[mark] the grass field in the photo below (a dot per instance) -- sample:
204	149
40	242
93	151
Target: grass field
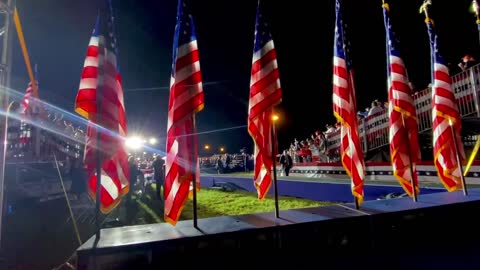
211	203
219	203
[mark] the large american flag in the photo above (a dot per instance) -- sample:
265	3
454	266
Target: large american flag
265	92
101	86
186	99
445	116
344	107
404	148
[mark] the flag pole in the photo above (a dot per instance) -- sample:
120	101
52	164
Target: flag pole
274	166
194	175
357	205
476	9
99	161
457	155
99	100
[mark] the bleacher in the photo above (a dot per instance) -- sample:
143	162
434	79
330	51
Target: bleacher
236	163
374	130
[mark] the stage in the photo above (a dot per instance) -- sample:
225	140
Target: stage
439	224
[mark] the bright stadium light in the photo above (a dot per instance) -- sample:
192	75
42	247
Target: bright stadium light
134	143
152	141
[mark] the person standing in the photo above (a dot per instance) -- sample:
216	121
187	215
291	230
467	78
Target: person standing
159	174
133	167
286	161
79	178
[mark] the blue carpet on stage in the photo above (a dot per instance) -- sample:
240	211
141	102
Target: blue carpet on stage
318	191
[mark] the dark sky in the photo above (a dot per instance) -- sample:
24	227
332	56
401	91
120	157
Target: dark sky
57	34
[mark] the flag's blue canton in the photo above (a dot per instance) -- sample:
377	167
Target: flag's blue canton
392	40
106	29
262	33
347	46
96	29
339	44
110	40
184	30
114	33
437	58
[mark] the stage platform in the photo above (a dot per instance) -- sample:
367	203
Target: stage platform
439	225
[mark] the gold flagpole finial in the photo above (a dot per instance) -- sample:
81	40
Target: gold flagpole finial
476	9
424	9
385	5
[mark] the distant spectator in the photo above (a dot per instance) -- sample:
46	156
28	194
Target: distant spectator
79	178
375	108
330	128
412	86
134	172
159	174
286	161
467	62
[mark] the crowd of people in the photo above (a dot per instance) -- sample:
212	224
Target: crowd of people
319	147
315	148
227	163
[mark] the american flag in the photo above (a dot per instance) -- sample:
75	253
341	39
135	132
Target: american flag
344	107
404	148
445	116
265	92
27	98
101	86
186	99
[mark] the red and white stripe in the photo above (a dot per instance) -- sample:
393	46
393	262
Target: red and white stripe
403	126
265	92
345	112
27	98
115	174
445	116
186	99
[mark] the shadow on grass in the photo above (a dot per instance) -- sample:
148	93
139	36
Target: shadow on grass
203	211
147	209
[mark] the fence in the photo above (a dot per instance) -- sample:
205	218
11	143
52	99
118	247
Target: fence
374	131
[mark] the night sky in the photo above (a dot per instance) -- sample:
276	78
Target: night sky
57	34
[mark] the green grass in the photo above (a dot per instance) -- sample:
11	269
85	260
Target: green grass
211	203
220	203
